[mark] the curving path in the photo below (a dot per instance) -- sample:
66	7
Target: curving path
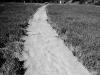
47	54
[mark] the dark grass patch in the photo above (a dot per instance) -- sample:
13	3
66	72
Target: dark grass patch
2	59
81	25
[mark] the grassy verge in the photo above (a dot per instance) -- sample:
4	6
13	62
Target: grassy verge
14	19
79	26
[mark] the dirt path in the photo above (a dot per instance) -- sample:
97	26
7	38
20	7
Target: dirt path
47	53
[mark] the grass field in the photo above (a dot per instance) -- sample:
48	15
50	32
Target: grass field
79	27
14	19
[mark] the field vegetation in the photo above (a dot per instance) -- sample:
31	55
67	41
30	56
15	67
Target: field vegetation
79	27
14	19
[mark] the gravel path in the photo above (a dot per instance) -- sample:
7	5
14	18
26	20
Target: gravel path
47	54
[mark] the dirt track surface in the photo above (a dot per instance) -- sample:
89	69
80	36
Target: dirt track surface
47	54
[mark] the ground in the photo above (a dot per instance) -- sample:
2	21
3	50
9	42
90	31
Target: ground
77	25
47	53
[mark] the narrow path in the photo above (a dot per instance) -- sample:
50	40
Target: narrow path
47	53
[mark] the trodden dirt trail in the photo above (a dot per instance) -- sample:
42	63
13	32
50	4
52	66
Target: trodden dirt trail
48	54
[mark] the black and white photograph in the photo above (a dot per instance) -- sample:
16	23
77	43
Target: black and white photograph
49	37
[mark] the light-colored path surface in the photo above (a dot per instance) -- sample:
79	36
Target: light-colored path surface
47	53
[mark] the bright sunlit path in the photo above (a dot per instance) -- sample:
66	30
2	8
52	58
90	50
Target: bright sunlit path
46	54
